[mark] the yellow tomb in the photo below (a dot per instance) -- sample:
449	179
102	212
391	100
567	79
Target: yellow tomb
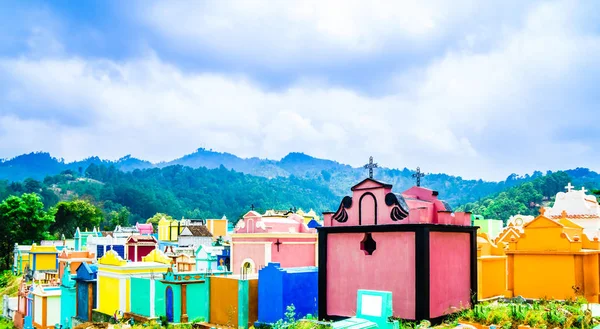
43	258
491	269
553	259
114	275
168	230
217	227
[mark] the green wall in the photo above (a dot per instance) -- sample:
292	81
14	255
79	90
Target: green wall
140	296
492	227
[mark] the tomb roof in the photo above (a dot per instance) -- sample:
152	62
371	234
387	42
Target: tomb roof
196	230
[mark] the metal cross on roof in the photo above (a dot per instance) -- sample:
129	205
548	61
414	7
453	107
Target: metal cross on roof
252	207
418	176
370	166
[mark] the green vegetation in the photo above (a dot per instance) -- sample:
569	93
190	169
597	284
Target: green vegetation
540	314
9	284
524	199
6	324
24	220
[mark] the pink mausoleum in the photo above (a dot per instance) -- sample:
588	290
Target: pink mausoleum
410	243
272	237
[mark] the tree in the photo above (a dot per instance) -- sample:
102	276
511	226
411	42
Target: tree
24	221
117	218
69	215
156	218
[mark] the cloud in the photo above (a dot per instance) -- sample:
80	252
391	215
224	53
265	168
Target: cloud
493	104
283	35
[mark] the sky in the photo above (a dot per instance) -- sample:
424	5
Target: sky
479	89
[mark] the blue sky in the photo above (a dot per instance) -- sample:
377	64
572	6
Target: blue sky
471	88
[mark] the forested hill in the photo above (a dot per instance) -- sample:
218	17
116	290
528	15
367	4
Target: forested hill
338	178
331	178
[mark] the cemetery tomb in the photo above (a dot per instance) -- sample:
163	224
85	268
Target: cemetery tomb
410	244
562	252
86	290
114	274
68	300
43	258
491	227
195	236
24	301
234	301
145	229
279	288
217	227
72	260
81	238
46	307
491	269
578	207
20	258
138	246
105	243
273	237
373	310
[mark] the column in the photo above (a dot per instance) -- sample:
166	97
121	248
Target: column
152	295
122	294
184	316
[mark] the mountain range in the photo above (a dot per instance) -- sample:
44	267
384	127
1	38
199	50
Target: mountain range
338	177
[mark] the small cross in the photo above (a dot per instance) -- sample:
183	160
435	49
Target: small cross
252	207
370	166
569	187
542	211
418	176
583	190
278	243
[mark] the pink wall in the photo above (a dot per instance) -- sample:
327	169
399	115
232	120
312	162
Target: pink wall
449	261
256	252
294	255
391	267
293	252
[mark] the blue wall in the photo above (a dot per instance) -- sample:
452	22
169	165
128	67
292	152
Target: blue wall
119	249
279	288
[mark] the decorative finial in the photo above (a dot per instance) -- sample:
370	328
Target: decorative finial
252	207
542	211
569	187
418	174
563	214
370	166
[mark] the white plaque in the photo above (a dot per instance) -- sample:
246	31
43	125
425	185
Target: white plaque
371	305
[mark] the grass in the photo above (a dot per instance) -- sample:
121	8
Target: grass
9	284
5	324
540	314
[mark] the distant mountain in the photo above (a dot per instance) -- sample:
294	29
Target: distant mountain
336	176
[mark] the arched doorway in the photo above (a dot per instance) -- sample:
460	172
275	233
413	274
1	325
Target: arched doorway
169	303
248	266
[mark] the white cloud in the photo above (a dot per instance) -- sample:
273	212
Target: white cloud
281	34
474	111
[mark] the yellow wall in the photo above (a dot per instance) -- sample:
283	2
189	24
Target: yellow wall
218	227
491	268
23	262
108	289
491	277
43	262
544	276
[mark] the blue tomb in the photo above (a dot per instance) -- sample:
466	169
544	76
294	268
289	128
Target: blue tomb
87	275
279	288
